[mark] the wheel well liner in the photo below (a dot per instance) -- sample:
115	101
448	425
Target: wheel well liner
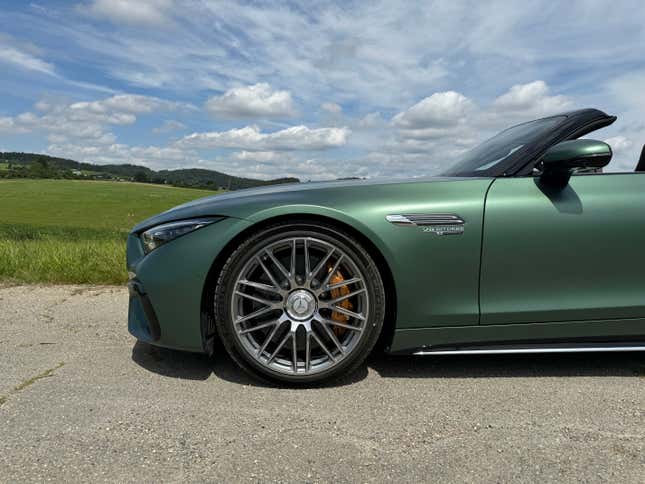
208	326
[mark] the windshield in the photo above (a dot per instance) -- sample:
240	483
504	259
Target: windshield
490	153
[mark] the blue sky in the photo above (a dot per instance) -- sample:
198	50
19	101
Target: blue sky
309	89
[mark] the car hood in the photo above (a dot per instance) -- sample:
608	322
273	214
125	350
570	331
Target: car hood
229	204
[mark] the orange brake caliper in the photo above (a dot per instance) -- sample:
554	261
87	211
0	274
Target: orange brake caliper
345	304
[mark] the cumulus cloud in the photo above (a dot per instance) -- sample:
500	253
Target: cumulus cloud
531	100
443	125
115	153
371	120
251	138
125	103
332	108
258	156
87	120
258	100
619	143
6	124
440	110
137	12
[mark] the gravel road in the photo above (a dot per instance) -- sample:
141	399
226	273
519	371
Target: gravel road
80	400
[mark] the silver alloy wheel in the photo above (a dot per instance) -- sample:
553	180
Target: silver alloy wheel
305	319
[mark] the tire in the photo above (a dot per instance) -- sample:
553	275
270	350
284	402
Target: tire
300	324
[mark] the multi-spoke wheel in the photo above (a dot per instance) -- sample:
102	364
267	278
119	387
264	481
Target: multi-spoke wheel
299	303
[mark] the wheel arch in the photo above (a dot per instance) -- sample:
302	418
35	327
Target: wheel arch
208	326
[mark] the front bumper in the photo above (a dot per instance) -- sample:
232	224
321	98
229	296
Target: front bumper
142	319
166	292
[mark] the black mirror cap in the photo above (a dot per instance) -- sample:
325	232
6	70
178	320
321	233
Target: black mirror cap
562	159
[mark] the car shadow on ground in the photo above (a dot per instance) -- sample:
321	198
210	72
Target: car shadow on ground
194	366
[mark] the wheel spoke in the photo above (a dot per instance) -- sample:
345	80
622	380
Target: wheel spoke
279	347
347	312
307	352
268	340
333	337
332	271
266	302
331	303
278	264
307	260
322	345
320	264
259	326
343	283
254	314
294	351
262	287
342	325
268	273
292	268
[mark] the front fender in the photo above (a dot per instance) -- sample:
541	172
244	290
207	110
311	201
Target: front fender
343	217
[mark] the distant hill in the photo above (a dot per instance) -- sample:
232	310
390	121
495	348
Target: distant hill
32	165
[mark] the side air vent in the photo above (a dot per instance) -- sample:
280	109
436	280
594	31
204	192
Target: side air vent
425	219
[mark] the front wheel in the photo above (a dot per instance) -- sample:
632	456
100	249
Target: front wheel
299	303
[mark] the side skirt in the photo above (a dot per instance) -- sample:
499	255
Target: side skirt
523	338
538	348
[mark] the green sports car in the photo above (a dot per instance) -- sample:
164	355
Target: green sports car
523	245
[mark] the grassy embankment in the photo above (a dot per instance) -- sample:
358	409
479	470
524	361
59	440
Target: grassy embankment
66	231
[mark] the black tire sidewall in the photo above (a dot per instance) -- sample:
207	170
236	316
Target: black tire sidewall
249	248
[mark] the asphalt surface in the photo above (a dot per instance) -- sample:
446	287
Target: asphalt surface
80	400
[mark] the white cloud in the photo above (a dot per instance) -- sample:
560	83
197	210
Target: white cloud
332	108
626	153
531	100
443	125
259	100
184	49
619	143
371	120
151	156
169	126
283	165
258	156
141	12
125	103
6	124
87	120
23	56
251	138
442	109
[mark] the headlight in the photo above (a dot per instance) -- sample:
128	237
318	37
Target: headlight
161	234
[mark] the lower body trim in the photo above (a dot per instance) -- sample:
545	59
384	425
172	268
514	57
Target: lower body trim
581	348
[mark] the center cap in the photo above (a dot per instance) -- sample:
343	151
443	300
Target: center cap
301	304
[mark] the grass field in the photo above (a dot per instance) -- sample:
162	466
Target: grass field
69	231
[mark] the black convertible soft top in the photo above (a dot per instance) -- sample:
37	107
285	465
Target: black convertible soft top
574	125
562	127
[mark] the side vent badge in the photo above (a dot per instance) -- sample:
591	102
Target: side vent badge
435	223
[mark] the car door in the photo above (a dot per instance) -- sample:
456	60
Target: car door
575	254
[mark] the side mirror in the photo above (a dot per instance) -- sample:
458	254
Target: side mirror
561	160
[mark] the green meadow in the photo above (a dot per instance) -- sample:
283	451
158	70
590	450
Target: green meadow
70	231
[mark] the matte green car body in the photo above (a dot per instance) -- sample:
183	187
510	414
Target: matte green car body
529	265
533	263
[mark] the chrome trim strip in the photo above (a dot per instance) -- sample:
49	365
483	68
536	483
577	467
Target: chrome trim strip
423	219
510	351
399	220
